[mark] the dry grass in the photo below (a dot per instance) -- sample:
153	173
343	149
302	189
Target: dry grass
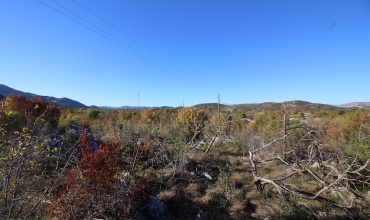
241	179
196	155
194	190
246	202
267	208
167	173
166	195
238	206
209	195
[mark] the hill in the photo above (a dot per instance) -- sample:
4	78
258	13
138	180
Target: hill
213	106
269	106
6	91
272	106
289	105
133	107
356	105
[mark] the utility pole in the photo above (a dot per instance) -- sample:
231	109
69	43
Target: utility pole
183	111
218	105
138	99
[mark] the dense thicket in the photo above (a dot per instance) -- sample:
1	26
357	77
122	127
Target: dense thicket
99	163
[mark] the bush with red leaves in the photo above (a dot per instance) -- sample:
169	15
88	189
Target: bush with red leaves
32	110
93	190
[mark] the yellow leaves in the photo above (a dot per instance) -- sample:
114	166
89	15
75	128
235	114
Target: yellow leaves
188	116
36	106
8	113
7	158
7	101
149	115
215	119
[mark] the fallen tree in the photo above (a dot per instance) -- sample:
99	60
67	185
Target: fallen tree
299	164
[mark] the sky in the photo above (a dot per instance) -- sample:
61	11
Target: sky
186	52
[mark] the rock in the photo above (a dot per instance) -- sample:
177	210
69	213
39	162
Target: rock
154	210
207	176
200	215
315	165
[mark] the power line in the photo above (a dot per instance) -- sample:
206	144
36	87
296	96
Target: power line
133	39
130	37
127	47
117	41
85	26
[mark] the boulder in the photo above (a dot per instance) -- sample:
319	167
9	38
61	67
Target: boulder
154	210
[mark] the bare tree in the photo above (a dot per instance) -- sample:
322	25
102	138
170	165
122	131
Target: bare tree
307	169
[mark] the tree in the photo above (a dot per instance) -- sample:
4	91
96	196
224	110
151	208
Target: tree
192	120
32	111
26	177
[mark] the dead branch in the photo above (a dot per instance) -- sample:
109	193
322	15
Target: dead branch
336	178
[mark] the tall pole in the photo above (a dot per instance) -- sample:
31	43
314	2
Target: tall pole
219	105
138	99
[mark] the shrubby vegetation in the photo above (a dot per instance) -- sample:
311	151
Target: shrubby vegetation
202	164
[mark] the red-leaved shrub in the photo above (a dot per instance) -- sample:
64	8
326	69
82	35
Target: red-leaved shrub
93	190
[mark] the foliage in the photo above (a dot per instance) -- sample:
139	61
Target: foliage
225	182
32	110
218	208
29	166
192	120
92	189
310	153
20	159
146	150
150	115
298	153
93	113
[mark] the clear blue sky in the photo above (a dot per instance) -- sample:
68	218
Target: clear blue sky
175	51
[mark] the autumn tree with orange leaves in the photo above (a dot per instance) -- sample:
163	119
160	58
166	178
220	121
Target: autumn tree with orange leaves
31	112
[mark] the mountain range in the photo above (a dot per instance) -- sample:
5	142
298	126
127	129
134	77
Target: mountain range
6	91
300	105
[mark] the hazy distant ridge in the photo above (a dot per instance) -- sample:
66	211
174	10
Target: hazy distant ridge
355	104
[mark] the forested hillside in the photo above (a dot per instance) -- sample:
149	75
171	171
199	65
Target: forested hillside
183	163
